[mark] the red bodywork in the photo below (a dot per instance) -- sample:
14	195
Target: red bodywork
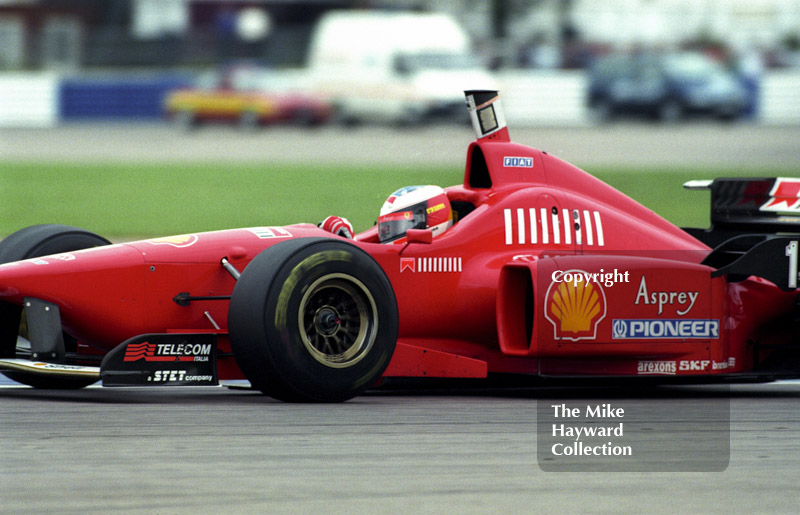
483	298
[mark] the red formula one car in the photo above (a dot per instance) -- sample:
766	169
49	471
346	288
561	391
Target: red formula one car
546	272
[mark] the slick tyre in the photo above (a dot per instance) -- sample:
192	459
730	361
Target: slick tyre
27	243
313	320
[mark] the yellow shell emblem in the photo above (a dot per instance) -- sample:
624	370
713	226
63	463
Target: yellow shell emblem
184	240
575	309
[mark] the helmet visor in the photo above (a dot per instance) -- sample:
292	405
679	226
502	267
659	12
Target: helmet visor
394	225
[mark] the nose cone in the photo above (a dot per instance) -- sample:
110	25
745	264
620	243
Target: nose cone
63	276
99	291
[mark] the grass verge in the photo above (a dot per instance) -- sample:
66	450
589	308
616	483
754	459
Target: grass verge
122	200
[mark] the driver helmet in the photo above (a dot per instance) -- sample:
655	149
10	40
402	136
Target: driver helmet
414	207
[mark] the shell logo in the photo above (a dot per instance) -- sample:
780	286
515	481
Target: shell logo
185	240
575	310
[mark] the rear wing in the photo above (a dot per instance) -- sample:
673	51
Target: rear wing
749	206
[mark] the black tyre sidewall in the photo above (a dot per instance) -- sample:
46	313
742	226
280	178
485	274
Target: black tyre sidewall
264	327
46	239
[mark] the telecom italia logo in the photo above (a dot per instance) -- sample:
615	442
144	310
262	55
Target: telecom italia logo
627	329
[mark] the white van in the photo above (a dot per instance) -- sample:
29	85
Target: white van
396	67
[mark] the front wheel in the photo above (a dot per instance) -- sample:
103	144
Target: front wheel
670	111
185	119
313	320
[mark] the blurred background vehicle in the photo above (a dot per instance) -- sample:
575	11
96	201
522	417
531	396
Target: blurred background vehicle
666	87
394	67
65	61
246	95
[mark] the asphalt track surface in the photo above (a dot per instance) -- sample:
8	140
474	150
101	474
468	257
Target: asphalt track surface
217	450
722	145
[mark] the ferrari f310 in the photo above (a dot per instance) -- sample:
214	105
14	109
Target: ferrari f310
545	272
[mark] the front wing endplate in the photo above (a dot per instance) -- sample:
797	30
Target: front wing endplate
172	359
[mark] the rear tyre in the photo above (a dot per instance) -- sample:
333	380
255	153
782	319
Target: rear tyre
313	320
249	120
27	243
670	111
601	111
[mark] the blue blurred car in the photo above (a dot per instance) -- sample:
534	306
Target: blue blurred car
666	87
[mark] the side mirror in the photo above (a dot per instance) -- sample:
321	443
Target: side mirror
419	236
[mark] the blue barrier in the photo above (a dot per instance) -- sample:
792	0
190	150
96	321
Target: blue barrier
116	98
